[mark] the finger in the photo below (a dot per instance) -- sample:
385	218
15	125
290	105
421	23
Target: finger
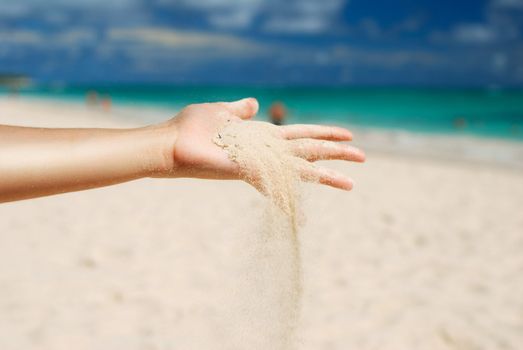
327	177
245	108
313	150
300	131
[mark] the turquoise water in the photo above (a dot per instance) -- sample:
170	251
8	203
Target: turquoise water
496	113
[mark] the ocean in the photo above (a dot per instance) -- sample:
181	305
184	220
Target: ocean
496	113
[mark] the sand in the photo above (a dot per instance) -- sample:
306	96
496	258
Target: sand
275	273
424	253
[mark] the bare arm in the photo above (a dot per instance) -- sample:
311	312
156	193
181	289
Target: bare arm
38	162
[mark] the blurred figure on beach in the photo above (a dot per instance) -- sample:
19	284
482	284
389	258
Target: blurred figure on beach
13	83
277	112
94	99
106	103
460	123
91	98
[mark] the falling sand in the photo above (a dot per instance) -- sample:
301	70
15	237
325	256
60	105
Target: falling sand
274	274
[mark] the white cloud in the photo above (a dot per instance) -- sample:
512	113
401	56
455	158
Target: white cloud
180	39
290	16
499	61
75	36
239	19
155	50
16	4
212	5
67	38
511	4
369	27
223	14
502	25
347	55
304	16
20	37
306	24
59	13
55	17
12	8
505	18
473	34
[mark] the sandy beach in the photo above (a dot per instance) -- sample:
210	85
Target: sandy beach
425	253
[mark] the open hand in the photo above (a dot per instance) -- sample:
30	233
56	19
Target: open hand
190	152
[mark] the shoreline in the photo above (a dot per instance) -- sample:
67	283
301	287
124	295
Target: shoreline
451	148
478	150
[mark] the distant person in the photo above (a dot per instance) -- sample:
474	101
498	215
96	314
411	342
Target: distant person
460	123
278	113
106	103
37	162
91	98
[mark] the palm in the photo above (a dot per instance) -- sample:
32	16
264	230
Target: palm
195	151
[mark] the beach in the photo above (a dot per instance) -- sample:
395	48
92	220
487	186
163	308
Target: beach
425	253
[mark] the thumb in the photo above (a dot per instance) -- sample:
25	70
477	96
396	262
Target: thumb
245	108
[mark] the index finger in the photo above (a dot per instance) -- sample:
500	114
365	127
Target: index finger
321	132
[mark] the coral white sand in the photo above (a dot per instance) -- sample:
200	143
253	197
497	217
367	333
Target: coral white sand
274	271
425	253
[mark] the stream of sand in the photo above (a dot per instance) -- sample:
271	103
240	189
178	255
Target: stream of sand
274	274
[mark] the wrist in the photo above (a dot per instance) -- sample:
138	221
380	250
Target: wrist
156	155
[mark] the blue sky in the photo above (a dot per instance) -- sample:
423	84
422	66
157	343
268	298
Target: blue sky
355	42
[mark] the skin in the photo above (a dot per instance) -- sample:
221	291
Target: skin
37	162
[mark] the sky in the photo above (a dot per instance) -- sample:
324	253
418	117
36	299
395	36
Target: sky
265	42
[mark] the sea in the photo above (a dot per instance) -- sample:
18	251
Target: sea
485	112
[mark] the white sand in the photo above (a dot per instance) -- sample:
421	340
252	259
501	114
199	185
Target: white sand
275	271
423	254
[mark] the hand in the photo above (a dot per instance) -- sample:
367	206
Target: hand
189	149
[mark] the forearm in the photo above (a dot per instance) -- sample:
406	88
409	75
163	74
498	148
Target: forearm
38	162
